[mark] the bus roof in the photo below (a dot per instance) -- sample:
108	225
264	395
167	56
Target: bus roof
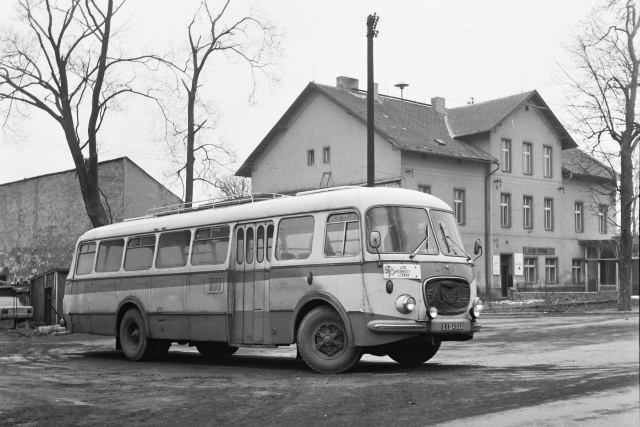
332	199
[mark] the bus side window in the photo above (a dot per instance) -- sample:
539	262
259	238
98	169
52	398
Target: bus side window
173	249
139	255
269	241
342	236
260	244
86	255
295	237
210	246
110	255
240	246
249	257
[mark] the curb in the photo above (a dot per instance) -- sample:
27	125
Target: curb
560	314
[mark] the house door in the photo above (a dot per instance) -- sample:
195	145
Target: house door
252	243
506	273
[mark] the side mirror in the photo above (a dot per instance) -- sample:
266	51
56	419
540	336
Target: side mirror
477	248
374	239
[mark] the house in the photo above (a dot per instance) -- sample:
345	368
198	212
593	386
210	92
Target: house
42	217
504	166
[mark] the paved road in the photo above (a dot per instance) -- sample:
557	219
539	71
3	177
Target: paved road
529	371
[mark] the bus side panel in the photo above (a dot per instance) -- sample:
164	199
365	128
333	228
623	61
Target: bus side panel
76	303
207	306
166	309
103	305
287	286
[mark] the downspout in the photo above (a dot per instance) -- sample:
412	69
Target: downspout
488	259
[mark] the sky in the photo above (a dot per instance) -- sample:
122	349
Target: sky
458	50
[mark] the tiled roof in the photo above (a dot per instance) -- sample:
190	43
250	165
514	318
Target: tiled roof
577	162
409	125
483	116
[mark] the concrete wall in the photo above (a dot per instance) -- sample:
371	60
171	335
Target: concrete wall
141	192
41	218
282	167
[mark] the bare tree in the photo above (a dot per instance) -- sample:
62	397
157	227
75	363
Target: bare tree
233	186
248	39
603	81
62	63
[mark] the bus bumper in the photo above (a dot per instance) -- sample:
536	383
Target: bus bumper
436	326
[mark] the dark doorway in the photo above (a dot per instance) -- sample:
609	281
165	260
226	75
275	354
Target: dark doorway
506	273
47	306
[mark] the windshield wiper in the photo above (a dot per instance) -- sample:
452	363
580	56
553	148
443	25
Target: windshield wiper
425	240
446	241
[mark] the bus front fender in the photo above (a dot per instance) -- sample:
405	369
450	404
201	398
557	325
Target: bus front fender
315	299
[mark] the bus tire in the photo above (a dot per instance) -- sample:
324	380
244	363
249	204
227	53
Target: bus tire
324	344
215	350
135	344
414	354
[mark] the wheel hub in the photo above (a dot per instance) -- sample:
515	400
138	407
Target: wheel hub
329	339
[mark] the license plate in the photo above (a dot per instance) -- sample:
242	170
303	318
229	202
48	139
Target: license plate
452	326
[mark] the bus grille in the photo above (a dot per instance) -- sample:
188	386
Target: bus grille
449	296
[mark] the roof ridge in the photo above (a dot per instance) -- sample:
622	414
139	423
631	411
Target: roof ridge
530	92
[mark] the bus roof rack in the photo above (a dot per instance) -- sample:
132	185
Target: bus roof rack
181	208
326	189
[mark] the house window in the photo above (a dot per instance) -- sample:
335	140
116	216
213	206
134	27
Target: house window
326	154
311	157
577	214
505	210
550	270
577	268
526	158
506	155
602	213
424	189
547	161
527	214
458	205
529	270
548	214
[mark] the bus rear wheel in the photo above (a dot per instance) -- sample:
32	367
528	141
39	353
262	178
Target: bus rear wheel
324	344
136	346
215	350
414	353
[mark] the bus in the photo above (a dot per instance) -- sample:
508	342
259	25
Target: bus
337	272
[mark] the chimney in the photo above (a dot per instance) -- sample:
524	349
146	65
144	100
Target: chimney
346	83
437	104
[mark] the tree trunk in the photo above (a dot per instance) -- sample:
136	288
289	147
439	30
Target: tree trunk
626	198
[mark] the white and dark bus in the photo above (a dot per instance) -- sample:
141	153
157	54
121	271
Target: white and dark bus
338	272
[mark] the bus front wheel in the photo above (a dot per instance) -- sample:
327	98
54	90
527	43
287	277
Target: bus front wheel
324	344
414	354
133	337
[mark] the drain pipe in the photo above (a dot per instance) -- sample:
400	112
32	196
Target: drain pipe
488	262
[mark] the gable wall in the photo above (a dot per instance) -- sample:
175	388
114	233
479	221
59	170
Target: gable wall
283	165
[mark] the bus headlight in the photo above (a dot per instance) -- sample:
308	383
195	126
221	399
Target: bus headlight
432	313
475	310
405	304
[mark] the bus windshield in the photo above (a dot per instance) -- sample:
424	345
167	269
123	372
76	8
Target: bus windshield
447	233
402	230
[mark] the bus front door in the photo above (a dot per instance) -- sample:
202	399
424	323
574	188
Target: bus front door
251	283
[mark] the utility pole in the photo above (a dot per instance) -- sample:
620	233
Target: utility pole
372	21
